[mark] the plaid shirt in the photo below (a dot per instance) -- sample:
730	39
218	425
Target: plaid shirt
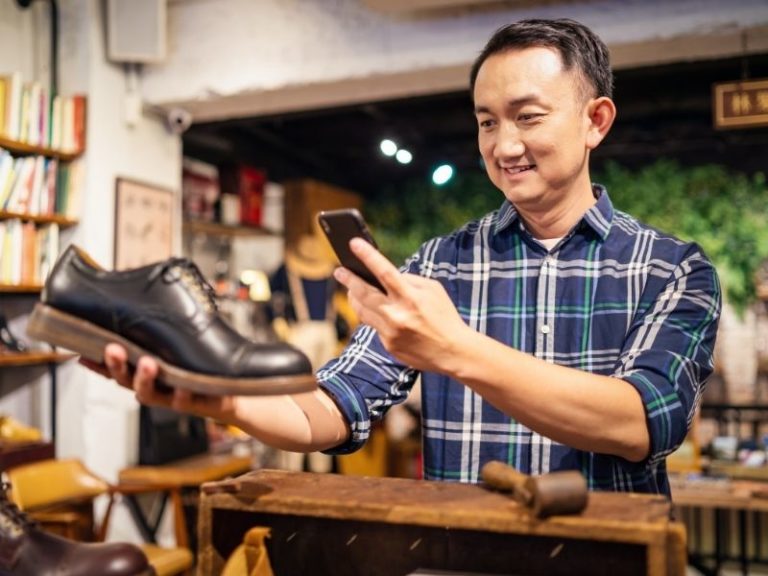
613	297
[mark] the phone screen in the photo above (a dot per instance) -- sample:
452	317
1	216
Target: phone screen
340	226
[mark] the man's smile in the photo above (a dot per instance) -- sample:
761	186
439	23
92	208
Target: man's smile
512	170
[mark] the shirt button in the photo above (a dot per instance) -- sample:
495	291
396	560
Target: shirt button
545	329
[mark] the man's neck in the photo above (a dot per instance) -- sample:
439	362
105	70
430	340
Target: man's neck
557	221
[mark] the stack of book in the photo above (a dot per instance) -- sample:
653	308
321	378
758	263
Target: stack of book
31	264
30	114
39	186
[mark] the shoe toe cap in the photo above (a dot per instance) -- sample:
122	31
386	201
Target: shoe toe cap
274	360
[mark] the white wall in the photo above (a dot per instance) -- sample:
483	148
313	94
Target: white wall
24	43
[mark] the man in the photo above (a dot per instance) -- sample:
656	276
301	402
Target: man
555	333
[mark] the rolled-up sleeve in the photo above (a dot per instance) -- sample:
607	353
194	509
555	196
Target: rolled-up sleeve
668	353
366	380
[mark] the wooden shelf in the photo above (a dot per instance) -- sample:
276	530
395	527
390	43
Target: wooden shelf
24	148
216	229
62	221
32	358
20	288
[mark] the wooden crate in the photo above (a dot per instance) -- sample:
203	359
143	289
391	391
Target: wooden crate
332	524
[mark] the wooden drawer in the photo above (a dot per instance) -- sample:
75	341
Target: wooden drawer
332	524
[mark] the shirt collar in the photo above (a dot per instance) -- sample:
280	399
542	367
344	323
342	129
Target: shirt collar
598	217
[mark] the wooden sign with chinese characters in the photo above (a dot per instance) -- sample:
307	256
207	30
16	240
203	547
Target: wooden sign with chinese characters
741	104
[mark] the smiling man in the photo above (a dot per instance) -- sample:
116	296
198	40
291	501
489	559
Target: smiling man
554	333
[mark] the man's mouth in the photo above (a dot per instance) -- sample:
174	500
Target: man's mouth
518	169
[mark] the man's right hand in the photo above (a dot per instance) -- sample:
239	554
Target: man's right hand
299	423
143	381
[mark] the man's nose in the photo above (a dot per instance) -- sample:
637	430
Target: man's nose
509	144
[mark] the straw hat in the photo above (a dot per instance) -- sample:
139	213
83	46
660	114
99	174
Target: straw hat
310	257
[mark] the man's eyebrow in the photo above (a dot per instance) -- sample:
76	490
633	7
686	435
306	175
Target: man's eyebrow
515	102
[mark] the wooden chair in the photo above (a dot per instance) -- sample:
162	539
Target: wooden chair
59	494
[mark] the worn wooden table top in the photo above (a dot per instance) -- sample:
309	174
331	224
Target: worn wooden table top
608	516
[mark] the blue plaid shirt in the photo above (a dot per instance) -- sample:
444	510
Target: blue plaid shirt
613	297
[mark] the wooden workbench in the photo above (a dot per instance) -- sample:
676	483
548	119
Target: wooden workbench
332	524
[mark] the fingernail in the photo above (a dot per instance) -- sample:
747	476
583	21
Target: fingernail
144	370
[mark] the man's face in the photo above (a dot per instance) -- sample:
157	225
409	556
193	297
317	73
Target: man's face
532	127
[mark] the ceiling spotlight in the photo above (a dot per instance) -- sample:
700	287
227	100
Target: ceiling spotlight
388	147
403	156
442	174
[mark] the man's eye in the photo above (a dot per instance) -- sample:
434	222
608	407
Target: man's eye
485	123
528	117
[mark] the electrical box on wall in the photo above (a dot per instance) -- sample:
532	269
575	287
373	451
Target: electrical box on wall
136	31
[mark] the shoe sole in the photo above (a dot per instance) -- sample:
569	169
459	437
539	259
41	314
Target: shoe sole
87	339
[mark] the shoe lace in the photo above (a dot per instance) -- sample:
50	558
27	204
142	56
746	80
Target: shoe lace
186	271
12	519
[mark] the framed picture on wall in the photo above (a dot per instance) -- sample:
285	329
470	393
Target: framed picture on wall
143	223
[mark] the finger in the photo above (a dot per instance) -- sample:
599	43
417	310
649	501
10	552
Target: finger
365	300
358	288
383	269
145	384
116	361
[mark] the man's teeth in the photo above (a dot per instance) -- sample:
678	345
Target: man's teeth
518	169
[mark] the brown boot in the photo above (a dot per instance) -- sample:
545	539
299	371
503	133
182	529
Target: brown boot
26	550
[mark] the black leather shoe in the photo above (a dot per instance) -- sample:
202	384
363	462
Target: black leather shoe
165	310
27	550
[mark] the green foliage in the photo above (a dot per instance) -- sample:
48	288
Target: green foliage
725	213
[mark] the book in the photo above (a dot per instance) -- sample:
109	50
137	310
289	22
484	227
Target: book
32	120
67	124
78	130
48	197
3	102
54	137
13	106
18	201
6	176
23	132
28	260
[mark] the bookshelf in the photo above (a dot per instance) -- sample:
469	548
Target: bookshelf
62	221
39	194
22	148
42	139
23	359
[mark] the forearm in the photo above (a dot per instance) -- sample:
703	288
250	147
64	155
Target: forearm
577	408
299	423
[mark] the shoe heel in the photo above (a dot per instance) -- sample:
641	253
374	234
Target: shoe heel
59	329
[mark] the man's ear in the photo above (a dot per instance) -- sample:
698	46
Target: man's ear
601	113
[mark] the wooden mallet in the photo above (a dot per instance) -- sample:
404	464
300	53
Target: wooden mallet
550	494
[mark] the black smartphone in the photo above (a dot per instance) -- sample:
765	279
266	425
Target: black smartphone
340	226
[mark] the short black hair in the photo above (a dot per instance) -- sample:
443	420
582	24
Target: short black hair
577	45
